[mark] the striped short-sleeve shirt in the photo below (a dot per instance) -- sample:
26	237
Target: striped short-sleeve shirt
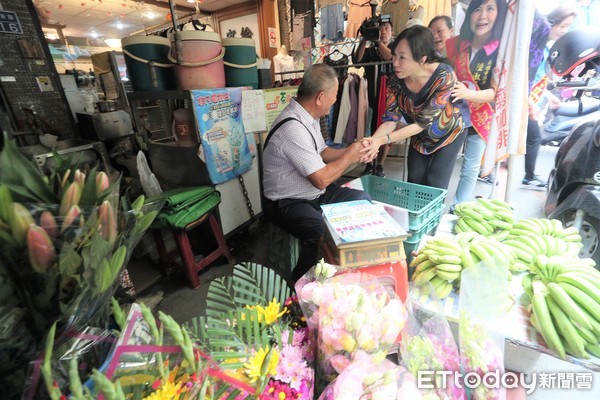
291	156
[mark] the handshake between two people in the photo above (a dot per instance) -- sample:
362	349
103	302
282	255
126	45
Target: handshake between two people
365	150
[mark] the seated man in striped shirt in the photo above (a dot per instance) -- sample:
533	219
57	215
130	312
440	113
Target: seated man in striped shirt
299	170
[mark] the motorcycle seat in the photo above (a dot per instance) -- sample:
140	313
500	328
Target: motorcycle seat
571	108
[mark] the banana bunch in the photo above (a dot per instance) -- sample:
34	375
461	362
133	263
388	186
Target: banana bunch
539	236
489	217
565	300
476	248
438	262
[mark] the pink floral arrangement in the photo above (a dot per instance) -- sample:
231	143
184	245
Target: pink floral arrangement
368	379
348	313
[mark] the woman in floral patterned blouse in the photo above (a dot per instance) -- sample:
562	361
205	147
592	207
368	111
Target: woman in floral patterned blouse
419	107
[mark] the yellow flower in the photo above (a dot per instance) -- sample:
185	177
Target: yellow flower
168	391
254	365
271	313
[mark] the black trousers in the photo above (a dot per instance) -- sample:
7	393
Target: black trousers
434	169
304	220
534	142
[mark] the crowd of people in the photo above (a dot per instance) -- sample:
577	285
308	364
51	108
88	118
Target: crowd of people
438	92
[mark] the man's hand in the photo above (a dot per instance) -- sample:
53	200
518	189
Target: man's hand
369	149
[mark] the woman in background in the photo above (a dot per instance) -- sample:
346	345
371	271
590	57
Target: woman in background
419	91
473	54
441	27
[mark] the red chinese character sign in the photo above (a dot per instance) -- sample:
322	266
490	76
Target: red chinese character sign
509	125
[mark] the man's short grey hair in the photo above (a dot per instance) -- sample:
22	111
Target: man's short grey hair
317	78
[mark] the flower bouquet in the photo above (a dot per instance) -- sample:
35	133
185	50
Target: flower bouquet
481	309
348	313
428	344
64	239
366	379
244	348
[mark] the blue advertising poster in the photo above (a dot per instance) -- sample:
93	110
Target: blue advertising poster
218	113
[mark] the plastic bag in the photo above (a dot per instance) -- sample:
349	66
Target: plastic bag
428	345
348	313
147	178
483	298
368	379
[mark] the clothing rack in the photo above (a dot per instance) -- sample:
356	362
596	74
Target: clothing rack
357	65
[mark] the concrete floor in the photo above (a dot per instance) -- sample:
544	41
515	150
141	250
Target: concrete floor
172	295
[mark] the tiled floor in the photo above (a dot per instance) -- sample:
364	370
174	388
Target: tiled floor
171	294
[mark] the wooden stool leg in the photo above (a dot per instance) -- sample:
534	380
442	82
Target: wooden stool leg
162	251
218	233
187	256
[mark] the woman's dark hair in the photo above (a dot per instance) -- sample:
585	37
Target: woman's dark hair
465	30
420	42
559	14
445	18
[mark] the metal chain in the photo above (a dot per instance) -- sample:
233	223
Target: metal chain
245	193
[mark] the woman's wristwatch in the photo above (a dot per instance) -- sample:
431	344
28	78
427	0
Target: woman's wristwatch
389	140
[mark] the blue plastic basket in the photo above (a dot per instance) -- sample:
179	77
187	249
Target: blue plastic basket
424	203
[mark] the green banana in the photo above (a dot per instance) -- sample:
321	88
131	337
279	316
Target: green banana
449	267
568	232
557	226
593	349
575	238
501	204
526	282
566	329
586	334
544	320
462	224
447	276
418	259
442	248
425	276
445	259
480	252
568	305
466	258
424	266
465	238
479	227
499	224
468	213
500	235
540	242
592	291
443	290
436	281
582	299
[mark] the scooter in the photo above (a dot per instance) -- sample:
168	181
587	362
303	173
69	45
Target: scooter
575	111
573	194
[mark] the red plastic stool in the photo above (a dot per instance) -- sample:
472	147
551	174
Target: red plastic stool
392	275
192	268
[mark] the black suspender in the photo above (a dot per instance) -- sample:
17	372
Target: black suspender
283	121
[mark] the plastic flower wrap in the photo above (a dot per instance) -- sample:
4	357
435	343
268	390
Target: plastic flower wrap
428	344
484	290
264	343
368	379
348	313
64	240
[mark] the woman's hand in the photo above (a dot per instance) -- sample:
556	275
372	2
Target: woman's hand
460	91
370	148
